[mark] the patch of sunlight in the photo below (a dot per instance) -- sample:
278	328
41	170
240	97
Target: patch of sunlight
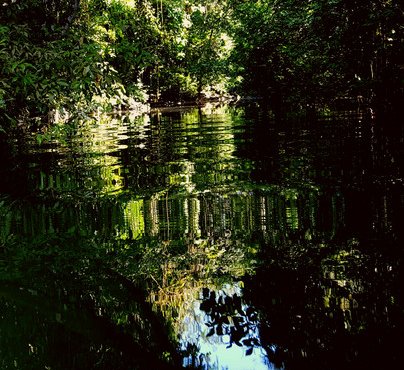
134	217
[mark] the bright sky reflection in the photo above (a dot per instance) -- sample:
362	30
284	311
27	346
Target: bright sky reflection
212	351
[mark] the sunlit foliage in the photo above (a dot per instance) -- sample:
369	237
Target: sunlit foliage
76	56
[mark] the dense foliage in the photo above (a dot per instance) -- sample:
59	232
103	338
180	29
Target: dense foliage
321	47
86	54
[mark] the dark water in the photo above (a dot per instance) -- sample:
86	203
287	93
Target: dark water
217	239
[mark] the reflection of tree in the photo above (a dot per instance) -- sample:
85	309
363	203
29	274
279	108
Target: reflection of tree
180	271
134	216
227	316
220	328
181	225
86	164
329	306
176	271
83	313
184	169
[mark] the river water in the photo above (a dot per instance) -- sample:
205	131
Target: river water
214	238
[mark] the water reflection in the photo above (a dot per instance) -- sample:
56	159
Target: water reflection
221	332
279	239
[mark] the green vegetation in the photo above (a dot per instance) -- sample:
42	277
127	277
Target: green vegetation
132	241
321	48
58	59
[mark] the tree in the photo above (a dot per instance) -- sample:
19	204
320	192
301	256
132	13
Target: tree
319	48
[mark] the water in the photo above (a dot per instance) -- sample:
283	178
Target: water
221	238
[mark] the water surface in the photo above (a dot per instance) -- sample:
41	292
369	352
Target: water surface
215	238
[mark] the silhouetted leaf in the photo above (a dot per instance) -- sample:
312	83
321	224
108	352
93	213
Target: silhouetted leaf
236	335
237	303
211	332
247	342
219	330
206	306
249	351
250	311
238	321
228	302
221	309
